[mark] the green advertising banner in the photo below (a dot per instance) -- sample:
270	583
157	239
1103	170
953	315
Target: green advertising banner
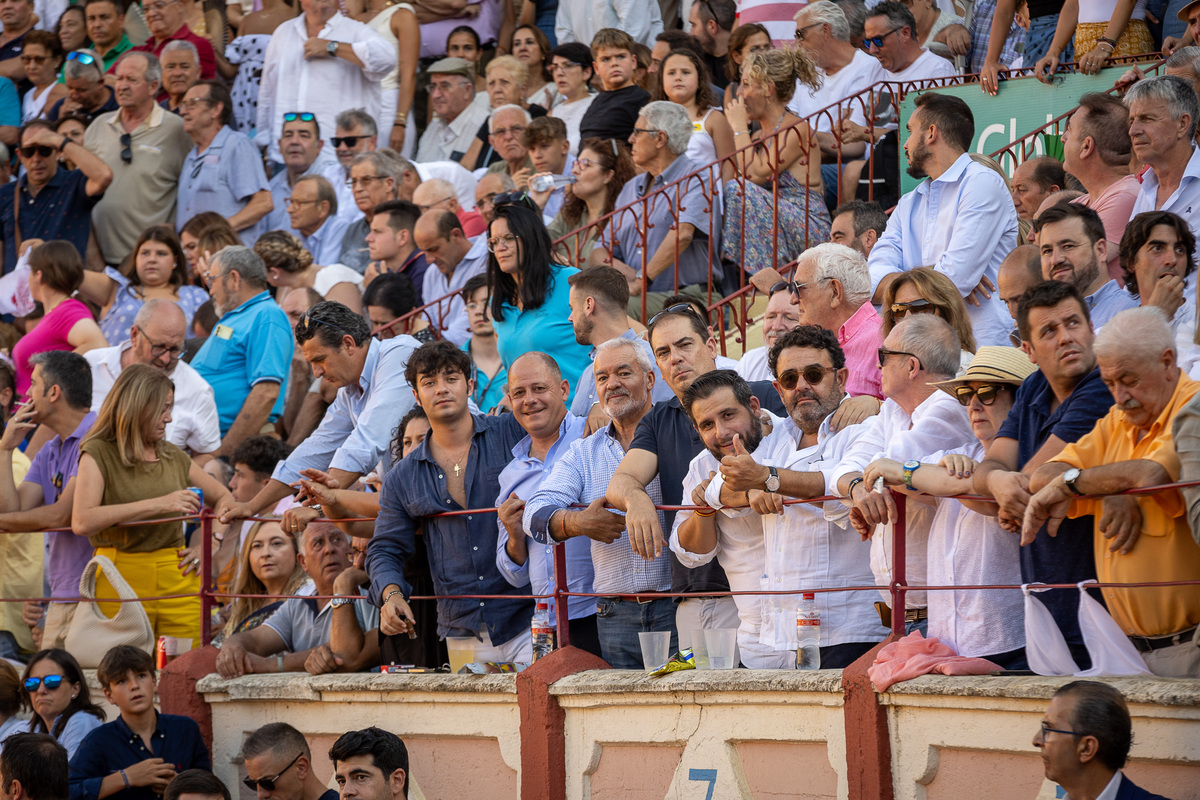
1022	106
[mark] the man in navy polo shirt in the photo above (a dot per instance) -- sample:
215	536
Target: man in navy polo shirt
1054	406
54	203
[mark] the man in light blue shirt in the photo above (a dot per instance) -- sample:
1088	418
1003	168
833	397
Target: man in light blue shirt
1075	251
372	397
312	209
446	246
303	153
538	395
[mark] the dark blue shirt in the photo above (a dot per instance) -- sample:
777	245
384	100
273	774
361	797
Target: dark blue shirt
61	210
113	746
110	104
1068	557
668	432
462	549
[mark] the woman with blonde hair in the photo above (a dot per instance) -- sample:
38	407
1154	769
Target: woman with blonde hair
129	472
269	567
782	170
507	85
924	290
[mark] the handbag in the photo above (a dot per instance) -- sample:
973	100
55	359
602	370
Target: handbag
92	633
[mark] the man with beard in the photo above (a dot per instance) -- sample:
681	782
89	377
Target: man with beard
1074	251
797	546
961	220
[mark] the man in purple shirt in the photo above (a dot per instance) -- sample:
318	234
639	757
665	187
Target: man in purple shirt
60	397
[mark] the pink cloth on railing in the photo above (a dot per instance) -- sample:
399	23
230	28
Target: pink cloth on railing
915	655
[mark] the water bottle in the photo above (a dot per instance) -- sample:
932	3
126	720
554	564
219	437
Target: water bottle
808	633
544	183
542	632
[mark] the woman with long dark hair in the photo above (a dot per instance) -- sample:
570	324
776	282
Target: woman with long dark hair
54	687
603	168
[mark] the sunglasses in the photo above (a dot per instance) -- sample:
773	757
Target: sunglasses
349	141
126	148
45	151
812	375
309	320
901	310
883	353
303	116
269	783
52	682
520	198
877	41
987	394
678	308
81	57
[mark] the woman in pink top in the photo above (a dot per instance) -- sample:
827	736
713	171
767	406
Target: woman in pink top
55	272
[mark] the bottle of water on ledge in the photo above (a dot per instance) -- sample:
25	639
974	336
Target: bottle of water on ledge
808	633
544	183
543	634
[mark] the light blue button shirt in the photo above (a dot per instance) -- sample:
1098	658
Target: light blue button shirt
222	179
522	477
451	315
586	395
1108	301
325	244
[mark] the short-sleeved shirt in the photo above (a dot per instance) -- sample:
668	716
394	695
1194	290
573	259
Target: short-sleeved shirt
222	179
303	626
109	104
127	302
62	209
142	481
612	115
252	343
49	334
667	432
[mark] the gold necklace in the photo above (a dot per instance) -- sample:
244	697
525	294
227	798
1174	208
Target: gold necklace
466	453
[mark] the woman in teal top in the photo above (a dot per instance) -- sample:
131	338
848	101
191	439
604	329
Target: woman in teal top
529	293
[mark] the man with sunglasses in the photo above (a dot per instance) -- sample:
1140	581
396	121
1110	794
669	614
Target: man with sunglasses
87	93
279	765
355	134
303	153
50	202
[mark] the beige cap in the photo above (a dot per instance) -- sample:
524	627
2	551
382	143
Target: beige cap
452	66
1183	12
994	365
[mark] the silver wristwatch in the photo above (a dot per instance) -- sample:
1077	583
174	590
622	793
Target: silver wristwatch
1069	477
340	601
772	484
331	48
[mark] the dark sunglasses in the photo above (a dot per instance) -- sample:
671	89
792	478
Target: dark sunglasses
52	682
126	148
901	310
81	57
878	40
45	151
882	354
812	374
678	308
269	783
303	116
349	141
782	286
520	198
987	394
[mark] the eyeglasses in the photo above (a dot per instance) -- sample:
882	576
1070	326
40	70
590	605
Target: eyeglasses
160	350
349	141
877	41
81	57
52	682
564	67
508	240
34	59
126	148
446	86
366	180
1047	729
812	374
792	286
584	163
800	31
678	308
987	394
435	203
269	783
158	6
192	102
292	201
515	130
303	116
45	151
883	353
645	130
902	310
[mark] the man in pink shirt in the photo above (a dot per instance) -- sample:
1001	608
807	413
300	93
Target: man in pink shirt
164	18
1096	150
833	290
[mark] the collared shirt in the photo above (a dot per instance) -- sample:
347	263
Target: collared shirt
116	51
586	395
1108	301
324	86
963	225
113	746
659	216
194	426
449	141
252	343
325	243
861	336
62	209
222	179
522	477
348	210
578	20
354	434
1165	549
753	365
204	48
462	548
304	624
78	726
1114	205
1184	201
862	72
451	315
354	253
281	192
581	476
938	422
52	468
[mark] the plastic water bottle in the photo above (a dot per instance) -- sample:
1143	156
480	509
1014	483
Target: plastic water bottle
544	183
808	633
542	632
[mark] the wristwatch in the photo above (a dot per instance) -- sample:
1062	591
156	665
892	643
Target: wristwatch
331	48
1069	477
340	601
909	468
772	484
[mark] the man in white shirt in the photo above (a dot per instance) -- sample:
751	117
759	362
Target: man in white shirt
578	20
890	32
156	339
440	235
961	221
321	62
916	419
459	112
413	174
779	318
1163	112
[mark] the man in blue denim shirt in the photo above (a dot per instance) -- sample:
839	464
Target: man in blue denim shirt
456	468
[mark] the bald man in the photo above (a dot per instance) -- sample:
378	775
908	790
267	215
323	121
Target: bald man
439	234
440	195
1019	271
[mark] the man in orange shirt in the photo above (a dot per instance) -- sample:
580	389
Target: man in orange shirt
1142	538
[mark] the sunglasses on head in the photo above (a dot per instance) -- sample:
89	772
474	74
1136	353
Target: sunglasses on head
986	394
812	375
678	308
901	310
519	198
52	682
303	116
45	151
349	141
269	783
81	57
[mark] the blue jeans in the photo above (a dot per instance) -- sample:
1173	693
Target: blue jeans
545	12
619	621
9	648
922	626
1039	38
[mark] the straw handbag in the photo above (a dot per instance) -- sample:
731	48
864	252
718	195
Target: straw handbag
92	634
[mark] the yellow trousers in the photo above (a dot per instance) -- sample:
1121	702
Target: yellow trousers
151	575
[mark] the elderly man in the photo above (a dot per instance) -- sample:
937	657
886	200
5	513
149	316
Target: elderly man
581	476
961	220
1147	538
247	359
916	419
391	246
506	129
224	170
181	70
87	93
105	21
373	181
538	395
355	134
780	317
303	153
1019	271
490	185
18	19
1033	181
275	746
156	339
440	195
459	112
891	36
1074	251
648	237
52	201
858	224
165	21
441	238
312	635
1163	113
712	24
145	148
312	211
321	62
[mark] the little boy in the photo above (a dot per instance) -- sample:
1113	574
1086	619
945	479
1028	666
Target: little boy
614	112
136	755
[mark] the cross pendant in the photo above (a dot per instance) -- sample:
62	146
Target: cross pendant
456	470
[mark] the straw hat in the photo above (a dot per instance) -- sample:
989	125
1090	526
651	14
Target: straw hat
994	365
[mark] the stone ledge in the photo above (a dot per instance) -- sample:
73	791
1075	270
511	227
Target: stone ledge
613	681
1153	691
301	686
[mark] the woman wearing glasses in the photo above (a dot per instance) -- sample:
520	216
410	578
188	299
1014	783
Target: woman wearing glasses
55	689
41	57
159	270
604	166
924	290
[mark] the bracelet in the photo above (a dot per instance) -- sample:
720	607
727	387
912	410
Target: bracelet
279	662
389	595
741	133
401	118
1112	43
853	483
702	514
124	777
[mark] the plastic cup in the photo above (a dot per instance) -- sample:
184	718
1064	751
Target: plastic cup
461	650
699	649
721	644
656	648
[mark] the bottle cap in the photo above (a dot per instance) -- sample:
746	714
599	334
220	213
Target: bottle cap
809	595
542	606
